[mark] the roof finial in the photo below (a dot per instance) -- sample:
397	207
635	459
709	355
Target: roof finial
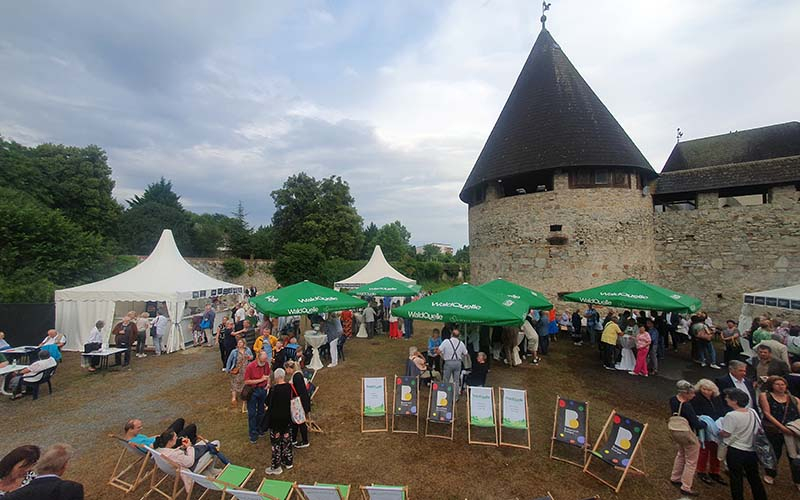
678	135
545	8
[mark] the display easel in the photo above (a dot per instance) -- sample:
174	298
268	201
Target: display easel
526	446
470	425
553	439
428	421
395	414
385	415
629	467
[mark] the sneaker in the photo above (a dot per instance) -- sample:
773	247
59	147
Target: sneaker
715	366
253	441
690	493
769	480
288	467
273	471
301	445
144	355
718	479
331	365
630	373
703	364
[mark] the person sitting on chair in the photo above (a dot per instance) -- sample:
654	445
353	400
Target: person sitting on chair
477	377
3	344
133	428
184	453
54	338
33	373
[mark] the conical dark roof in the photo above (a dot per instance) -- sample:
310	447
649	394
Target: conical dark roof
552	119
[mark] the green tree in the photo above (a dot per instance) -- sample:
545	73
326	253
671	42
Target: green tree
158	192
462	255
370	233
239	234
321	213
431	252
207	233
394	240
263	243
298	262
142	226
76	181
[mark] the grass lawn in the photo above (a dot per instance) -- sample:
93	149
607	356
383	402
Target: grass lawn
85	407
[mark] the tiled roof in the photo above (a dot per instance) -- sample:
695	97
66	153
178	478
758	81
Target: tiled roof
774	141
552	119
774	171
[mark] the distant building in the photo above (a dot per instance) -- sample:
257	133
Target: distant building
443	247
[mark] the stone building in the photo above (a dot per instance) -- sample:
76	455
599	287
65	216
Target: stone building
560	198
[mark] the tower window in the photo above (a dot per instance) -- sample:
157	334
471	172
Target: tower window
555	227
603	177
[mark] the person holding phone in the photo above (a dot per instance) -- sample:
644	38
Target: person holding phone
187	455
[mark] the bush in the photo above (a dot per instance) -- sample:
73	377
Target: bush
298	262
234	267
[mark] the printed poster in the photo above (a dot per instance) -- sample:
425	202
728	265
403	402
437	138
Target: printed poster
405	396
374	396
622	440
514	414
571	422
441	408
481	407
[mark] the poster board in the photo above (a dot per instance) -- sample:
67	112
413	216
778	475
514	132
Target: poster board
481	413
405	402
514	415
373	402
441	408
570	427
618	447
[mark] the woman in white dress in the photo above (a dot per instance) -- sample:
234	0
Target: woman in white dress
627	343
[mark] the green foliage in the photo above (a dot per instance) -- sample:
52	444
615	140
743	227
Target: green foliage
207	233
239	234
234	267
428	271
142	225
393	239
26	288
339	269
76	181
263	242
431	252
158	192
321	213
122	263
298	262
462	255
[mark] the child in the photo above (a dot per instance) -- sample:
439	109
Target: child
433	344
642	349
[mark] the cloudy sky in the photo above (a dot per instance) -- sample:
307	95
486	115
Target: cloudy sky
227	99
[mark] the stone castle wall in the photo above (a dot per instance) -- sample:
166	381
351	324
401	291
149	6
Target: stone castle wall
607	235
717	254
257	272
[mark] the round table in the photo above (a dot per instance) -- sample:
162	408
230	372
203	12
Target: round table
362	329
315	340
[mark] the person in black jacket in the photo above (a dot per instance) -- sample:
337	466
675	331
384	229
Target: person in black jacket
301	391
48	484
737	378
709	403
280	419
686	460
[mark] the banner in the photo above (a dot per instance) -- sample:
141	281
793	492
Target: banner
481	407
622	440
405	396
571	422
374	397
441	408
514	414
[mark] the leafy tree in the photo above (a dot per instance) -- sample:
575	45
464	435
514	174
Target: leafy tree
431	252
370	233
158	192
394	240
207	233
298	262
262	243
321	213
239	234
76	181
142	226
462	255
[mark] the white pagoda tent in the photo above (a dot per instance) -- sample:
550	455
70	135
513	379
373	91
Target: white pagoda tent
376	268
787	298
164	276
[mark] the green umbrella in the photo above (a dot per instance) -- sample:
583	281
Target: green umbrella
533	299
465	304
387	287
635	294
304	298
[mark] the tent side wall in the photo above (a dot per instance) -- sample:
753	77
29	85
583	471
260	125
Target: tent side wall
76	318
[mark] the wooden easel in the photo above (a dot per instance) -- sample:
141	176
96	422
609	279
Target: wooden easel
428	421
603	436
385	414
584	447
526	446
395	415
469	421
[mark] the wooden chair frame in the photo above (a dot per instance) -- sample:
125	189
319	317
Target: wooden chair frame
365	494
603	436
469	420
395	415
303	496
428	421
526	446
225	485
177	483
265	496
385	427
585	447
118	474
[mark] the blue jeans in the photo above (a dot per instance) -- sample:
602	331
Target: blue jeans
255	412
408	331
707	352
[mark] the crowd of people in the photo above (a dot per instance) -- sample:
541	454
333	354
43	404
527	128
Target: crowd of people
28	473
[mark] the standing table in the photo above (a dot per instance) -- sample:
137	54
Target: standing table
315	340
362	328
23	353
103	354
5	372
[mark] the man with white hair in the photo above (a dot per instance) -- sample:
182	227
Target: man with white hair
48	483
160	325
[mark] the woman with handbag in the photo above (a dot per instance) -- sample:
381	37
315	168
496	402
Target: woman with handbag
237	362
779	408
279	404
299	390
740	433
683	426
708	403
730	337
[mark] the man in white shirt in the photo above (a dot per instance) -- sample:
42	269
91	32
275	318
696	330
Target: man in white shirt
160	323
369	320
737	377
54	338
240	316
452	350
33	373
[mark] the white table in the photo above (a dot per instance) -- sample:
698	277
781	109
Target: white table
22	352
315	340
362	328
103	354
6	371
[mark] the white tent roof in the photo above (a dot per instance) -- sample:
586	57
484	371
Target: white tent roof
787	298
376	268
164	275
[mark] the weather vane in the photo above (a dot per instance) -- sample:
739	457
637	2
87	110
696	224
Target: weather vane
545	8
678	135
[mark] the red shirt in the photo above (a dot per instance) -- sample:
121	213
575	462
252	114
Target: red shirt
255	372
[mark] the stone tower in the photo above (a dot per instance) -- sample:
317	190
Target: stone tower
557	198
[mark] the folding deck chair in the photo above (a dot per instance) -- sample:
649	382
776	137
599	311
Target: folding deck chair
232	476
384	492
269	489
137	466
169	469
320	491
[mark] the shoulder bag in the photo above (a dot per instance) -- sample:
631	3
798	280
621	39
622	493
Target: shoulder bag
766	455
247	392
296	407
680	430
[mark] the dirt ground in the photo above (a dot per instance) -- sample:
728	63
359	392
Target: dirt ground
85	407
